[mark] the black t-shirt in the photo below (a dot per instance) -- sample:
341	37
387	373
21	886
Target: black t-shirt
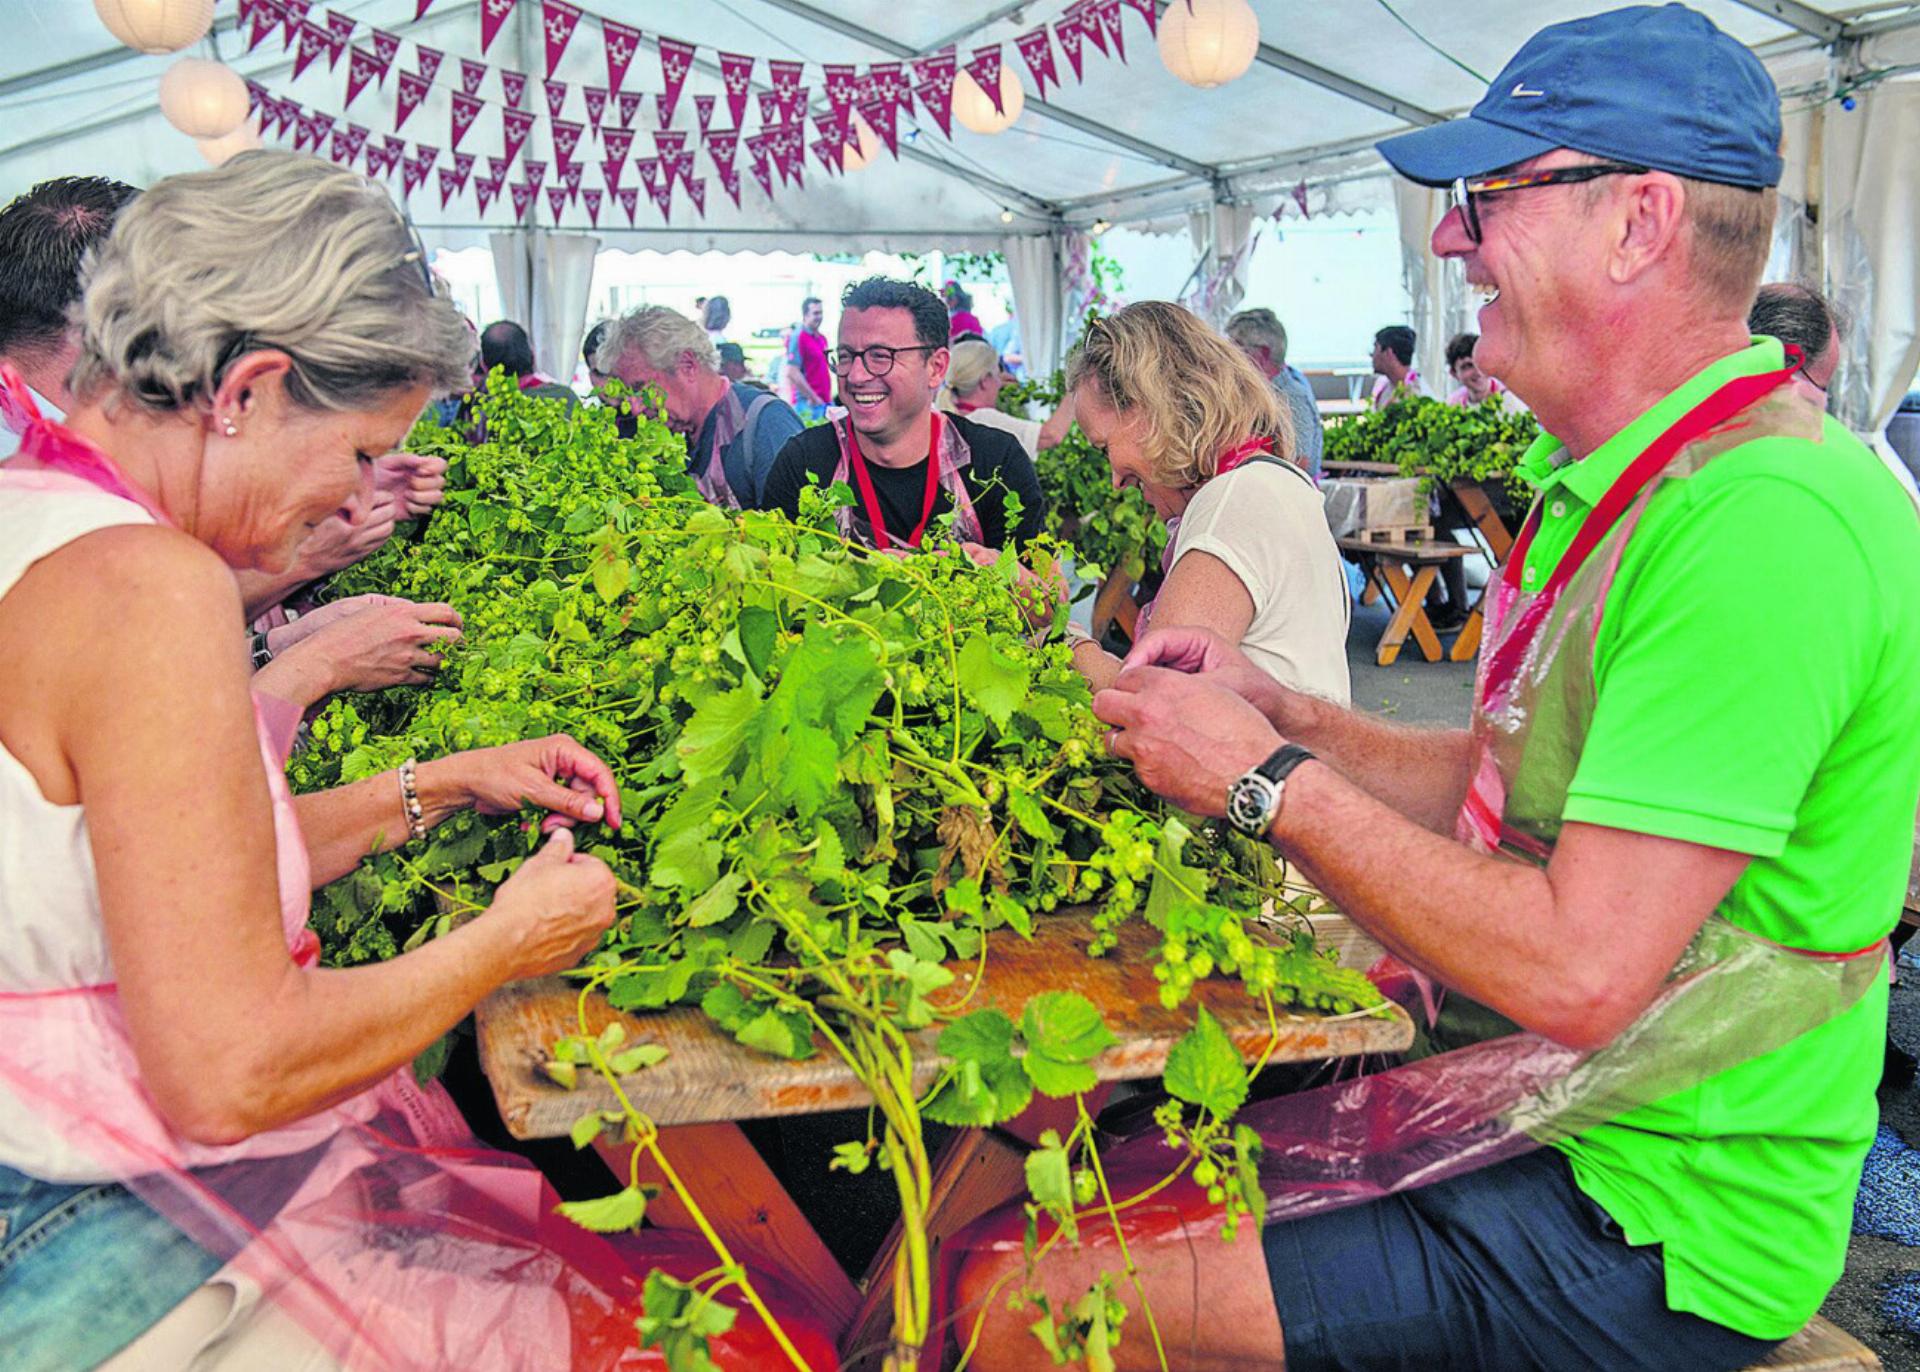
999	465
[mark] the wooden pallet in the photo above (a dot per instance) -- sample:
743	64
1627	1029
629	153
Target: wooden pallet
1395	533
1820	1347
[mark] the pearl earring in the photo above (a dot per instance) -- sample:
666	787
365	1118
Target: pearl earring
229	428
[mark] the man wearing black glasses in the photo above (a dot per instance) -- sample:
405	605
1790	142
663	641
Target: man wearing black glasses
907	464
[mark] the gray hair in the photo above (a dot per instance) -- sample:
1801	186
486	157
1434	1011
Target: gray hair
273	250
658	334
1260	328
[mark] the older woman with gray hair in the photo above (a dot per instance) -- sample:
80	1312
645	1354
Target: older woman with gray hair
194	1115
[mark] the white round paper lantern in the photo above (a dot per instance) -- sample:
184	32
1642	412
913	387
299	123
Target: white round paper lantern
203	99
1210	44
974	108
156	25
853	159
243	139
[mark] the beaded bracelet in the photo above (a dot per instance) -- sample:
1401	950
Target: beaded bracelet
410	801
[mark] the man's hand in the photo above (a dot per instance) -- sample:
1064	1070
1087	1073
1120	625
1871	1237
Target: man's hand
1204	653
414	482
337	542
1188	737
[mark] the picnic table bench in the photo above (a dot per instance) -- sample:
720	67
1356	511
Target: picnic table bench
708	1081
1402	573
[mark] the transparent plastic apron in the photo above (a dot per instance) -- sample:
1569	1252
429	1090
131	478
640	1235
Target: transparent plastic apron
1732	996
395	1238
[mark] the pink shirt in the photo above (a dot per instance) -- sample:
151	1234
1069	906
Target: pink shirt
1383	388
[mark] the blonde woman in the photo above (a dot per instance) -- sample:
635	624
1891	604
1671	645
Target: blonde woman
975	379
1183	416
193	1114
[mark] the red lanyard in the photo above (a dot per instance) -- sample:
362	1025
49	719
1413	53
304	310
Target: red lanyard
858	462
1709	414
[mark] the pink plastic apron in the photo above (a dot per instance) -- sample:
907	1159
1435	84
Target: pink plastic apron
394	1237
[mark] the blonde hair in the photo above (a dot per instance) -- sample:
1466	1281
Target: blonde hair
969	362
658	334
1199	394
271	250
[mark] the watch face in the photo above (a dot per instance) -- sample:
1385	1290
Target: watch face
1249	801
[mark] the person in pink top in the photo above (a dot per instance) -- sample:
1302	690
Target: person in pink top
808	375
1394	373
1475	385
961	319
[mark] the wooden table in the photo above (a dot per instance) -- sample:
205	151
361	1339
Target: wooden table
1403	573
708	1081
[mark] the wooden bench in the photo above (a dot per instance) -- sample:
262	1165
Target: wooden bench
1820	1347
1404	573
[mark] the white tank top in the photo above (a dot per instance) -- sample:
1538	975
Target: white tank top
51	932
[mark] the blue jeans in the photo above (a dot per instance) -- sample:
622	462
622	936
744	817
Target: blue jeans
1508	1268
85	1270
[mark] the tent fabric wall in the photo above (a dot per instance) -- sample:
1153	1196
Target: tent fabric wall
1437	288
1034	269
1222	237
545	280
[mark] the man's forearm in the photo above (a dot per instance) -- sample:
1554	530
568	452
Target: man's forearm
261	591
1422	773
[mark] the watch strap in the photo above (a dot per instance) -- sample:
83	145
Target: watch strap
1285	758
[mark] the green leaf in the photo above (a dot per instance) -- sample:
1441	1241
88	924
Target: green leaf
1013	914
758	628
804	766
637	1058
1029	816
586	1129
611	577
1050	1181
1247	1149
1065	1026
725	1006
1176	886
921	940
995	682
1205	1069
775	1032
614	1214
689	861
852	1158
711	739
996	1089
1052	1077
433	1059
719	902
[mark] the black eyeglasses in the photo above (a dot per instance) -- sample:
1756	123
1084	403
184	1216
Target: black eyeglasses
1467	187
418	253
879	357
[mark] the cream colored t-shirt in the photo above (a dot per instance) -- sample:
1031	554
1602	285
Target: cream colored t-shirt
1269	527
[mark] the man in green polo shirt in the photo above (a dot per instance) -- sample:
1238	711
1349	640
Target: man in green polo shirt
1696	704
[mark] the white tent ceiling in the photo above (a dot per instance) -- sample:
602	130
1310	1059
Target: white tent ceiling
1128	142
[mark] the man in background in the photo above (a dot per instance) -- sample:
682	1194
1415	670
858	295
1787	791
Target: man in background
807	377
505	344
1394	372
1262	337
1475	385
44	236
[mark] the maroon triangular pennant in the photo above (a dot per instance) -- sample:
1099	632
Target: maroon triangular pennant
596	98
427	60
340	29
256	95
412	176
322	126
570	177
662	196
880	115
463	167
612	170
730	183
618	142
649	169
593	195
1067	30
413	90
302	133
1037	48
1108	12
557	22
557	202
449	186
839	82
770	110
313	42
497	171
420	8
662	110
629	197
471	75
465	110
386	46
761	173
513	87
829	151
1148	11
682	168
362	67
556	97
484	192
888	82
267	16
621	42
493	13
676	60
629	106
736	73
722	146
1089	23
697	193
426	155
536	173
985	70
935	90
666	142
515	126
703	110
566	136
294	13
785	77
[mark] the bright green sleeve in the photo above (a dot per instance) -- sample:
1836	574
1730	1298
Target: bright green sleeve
1735	642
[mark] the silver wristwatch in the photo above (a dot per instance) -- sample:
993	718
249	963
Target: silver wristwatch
1254	799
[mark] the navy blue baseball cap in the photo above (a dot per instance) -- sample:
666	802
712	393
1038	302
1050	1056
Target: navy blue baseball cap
1657	86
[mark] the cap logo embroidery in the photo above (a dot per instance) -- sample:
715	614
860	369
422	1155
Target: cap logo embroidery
1520	90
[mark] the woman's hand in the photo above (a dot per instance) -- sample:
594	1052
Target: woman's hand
283	636
338	542
416	483
381	646
553	909
554	773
